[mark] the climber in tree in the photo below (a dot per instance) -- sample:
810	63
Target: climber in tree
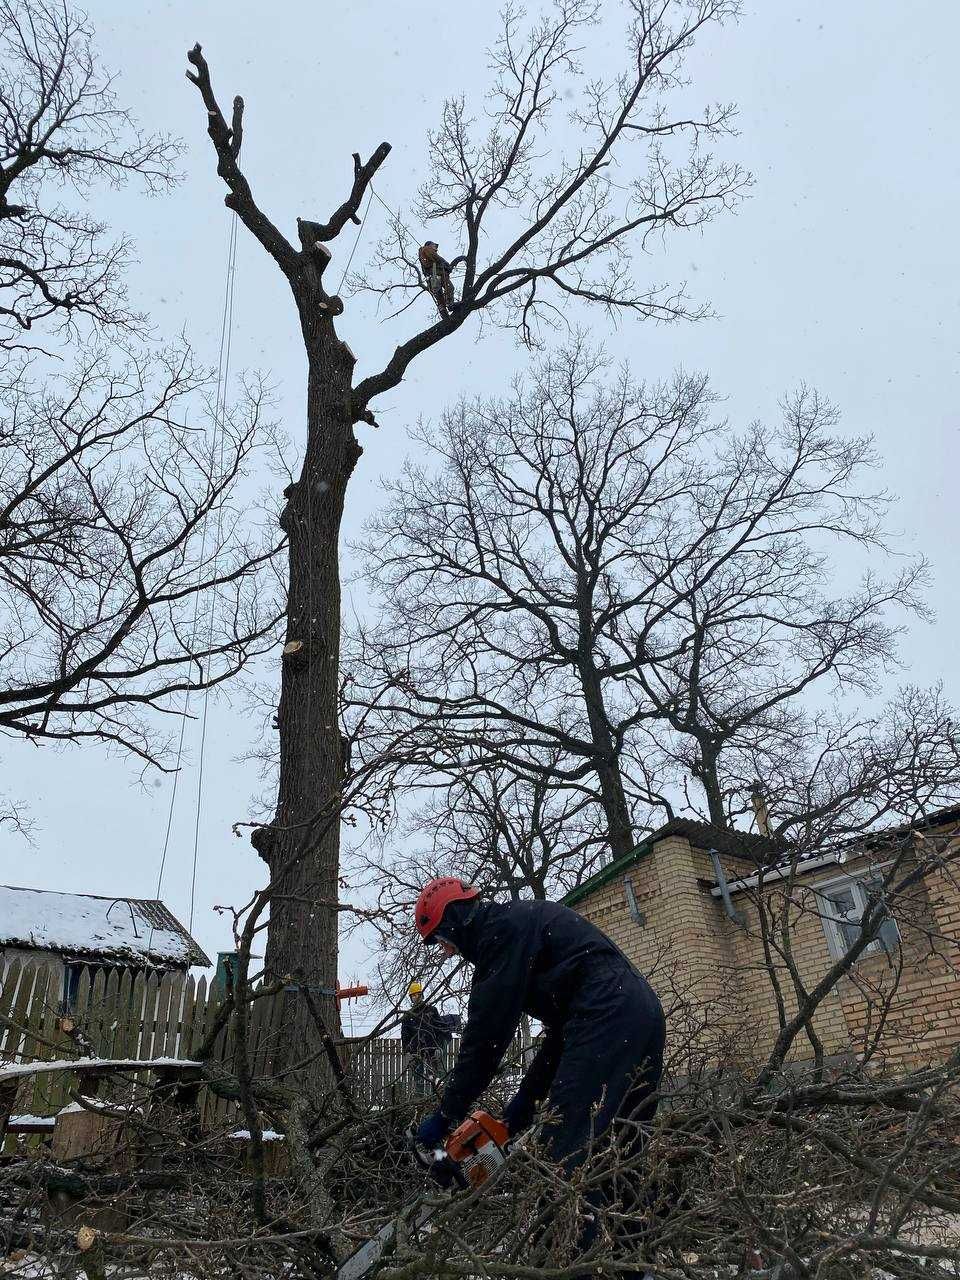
436	276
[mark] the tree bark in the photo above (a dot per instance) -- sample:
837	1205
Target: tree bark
302	939
708	777
613	797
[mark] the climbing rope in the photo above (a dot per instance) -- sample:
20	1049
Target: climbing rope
396	217
220	404
357	239
216	450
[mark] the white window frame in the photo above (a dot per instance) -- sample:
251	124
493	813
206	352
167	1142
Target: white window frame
858	883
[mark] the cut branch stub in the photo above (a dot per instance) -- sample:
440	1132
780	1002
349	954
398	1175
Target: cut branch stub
310	234
294	653
236	127
263	840
240	198
362	174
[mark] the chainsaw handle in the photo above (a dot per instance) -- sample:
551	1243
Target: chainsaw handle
436	1162
427	1157
447	1173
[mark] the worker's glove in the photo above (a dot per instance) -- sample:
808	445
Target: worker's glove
518	1114
432	1131
446	1173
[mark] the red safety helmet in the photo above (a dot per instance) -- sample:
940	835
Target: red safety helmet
435	896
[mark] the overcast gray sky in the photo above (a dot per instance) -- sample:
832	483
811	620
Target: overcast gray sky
840	271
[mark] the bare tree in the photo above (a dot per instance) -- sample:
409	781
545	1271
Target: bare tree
534	228
601	569
130	570
130	573
14	817
62	128
511	835
845	770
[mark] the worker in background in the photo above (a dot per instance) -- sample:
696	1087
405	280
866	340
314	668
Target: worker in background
436	276
601	1055
424	1035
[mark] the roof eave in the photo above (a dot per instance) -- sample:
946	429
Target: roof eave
697	840
606	874
142	959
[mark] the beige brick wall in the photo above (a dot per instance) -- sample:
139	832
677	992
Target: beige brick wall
715	978
922	997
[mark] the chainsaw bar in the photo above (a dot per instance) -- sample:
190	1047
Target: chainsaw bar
472	1154
369	1253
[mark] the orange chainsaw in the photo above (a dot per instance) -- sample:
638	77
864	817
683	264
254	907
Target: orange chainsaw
468	1158
474	1151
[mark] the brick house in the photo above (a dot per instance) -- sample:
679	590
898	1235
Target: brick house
686	906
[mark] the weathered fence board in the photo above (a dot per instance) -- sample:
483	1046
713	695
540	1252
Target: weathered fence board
8	990
23	1005
124	1032
141	1017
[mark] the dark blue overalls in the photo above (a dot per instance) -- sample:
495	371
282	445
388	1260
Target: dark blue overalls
601	1055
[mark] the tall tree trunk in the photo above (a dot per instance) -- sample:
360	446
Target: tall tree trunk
708	776
302	845
613	797
304	862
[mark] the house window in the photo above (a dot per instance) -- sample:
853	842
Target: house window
843	904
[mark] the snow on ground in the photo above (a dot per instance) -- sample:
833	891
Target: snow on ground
88	1064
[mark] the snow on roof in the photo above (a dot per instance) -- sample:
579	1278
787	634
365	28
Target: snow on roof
80	924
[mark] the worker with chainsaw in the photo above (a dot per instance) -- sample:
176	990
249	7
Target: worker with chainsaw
436	276
601	1055
424	1034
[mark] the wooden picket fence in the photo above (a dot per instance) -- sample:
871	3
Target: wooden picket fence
120	1014
379	1071
149	1016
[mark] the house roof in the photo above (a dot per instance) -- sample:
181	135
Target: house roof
752	848
845	850
81	924
939	818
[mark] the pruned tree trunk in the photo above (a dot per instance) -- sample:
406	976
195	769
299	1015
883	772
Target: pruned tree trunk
301	845
302	939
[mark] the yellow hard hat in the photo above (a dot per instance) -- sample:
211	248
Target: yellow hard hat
415	989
